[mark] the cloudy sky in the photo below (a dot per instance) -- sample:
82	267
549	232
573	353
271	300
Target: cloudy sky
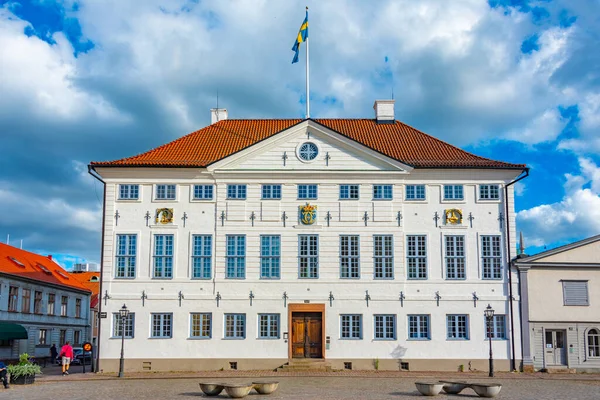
87	80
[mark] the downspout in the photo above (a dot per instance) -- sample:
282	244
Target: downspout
509	262
93	173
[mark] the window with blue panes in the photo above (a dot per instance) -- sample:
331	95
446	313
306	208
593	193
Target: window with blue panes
200	325
166	192
418	327
126	256
385	327
351	326
382	192
415	192
163	256
497	328
236	256
203	192
201	256
307	192
235	326
236	192
383	256
268	326
416	256
457	327
162	325
489	192
129	192
349	192
453	192
271	192
270	256
308	256
349	256
455	257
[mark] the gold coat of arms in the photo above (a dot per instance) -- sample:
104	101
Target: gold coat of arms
164	216
453	216
308	214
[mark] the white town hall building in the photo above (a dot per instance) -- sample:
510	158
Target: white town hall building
252	243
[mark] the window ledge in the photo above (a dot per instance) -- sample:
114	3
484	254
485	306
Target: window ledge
418	339
233	338
199	338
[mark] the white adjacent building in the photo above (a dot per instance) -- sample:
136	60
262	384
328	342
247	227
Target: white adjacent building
364	242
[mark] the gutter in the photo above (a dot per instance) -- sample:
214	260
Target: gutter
93	173
510	286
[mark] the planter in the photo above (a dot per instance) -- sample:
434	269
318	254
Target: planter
238	391
265	387
487	390
211	389
22	380
454	387
429	388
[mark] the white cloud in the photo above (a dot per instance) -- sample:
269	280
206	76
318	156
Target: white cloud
577	215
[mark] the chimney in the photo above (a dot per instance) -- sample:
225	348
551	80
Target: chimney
384	111
49	256
217	114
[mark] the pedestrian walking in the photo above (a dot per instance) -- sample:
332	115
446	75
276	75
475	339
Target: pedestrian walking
66	352
4	375
53	353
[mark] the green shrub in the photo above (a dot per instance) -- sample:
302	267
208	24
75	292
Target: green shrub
24	367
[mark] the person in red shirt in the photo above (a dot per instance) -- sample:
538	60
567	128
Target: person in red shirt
66	352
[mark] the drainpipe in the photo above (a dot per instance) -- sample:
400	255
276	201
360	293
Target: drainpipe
509	262
93	173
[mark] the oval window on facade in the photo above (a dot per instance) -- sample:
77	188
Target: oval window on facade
308	151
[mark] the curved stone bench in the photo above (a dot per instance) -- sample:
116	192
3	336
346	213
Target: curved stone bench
454	387
211	389
429	388
486	389
238	391
265	387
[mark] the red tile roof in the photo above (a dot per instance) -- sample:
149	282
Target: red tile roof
33	266
86	280
224	138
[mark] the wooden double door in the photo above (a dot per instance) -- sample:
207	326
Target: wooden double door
307	335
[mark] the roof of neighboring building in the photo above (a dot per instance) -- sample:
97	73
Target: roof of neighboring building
28	265
90	280
546	259
396	140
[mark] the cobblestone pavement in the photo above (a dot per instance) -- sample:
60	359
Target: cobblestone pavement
354	385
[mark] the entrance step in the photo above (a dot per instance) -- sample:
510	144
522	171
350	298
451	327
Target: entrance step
306	364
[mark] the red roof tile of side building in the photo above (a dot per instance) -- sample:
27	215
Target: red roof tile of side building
35	267
90	280
396	140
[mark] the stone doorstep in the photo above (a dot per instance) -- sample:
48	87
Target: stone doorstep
561	370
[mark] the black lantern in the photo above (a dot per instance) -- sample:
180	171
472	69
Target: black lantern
123	313
489	316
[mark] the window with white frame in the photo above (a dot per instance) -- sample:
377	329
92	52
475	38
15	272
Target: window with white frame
237	192
13	298
51	303
575	293
42	337
235	326
453	192
201	256
236	257
491	257
418	327
26	301
349	256
166	192
385	327
457	327
203	192
415	192
489	192
349	192
497	328
64	303
200	325
382	192
308	256
268	326
271	192
77	308
163	257
37	303
351	326
129	192
383	254
162	325
307	192
126	256
416	256
118	324
593	343
270	256
455	257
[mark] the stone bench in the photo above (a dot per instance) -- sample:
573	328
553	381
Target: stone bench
238	390
455	387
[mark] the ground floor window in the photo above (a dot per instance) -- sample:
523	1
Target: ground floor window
269	326
200	324
162	325
497	328
42	337
593	339
418	327
351	326
62	338
235	326
77	337
129	325
458	327
385	327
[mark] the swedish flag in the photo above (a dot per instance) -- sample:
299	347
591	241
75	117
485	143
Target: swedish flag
302	36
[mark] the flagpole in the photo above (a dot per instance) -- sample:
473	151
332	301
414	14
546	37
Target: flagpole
307	77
